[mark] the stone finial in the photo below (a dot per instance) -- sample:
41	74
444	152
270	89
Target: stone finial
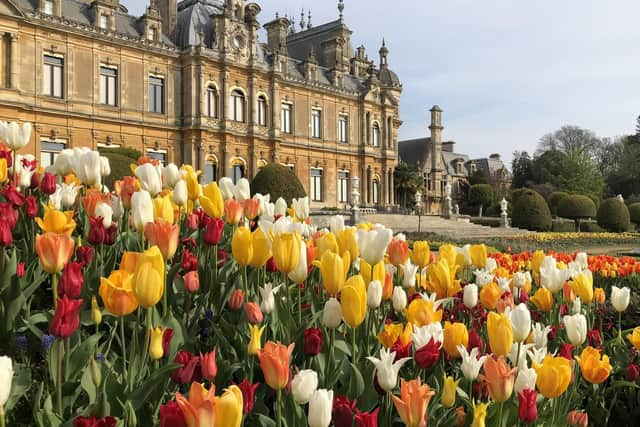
302	23
309	25
341	9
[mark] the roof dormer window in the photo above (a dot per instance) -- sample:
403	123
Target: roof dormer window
104	21
48	7
152	34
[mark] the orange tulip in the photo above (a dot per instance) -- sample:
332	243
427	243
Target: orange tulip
126	188
232	211
92	199
387	287
129	261
274	361
413	402
164	235
199	409
117	293
54	251
594	369
398	251
251	208
489	295
499	378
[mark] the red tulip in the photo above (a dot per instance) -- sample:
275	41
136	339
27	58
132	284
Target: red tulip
192	221
248	395
213	231
6	234
84	254
527	410
367	419
343	411
20	269
553	333
110	234
566	351
595	340
48	183
633	372
222	257
31	207
402	350
475	341
6	154
171	415
94	422
66	319
428	355
312	340
189	261
96	231
191	281
190	370
8	214
166	342
208	365
13	196
71	280
253	312
271	265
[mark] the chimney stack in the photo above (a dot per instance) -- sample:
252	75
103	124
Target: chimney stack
277	34
169	13
436	136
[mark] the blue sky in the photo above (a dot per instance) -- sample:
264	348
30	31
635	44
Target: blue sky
505	72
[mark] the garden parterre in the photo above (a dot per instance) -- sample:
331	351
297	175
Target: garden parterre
165	302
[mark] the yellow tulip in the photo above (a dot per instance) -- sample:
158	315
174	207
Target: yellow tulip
334	270
594	369
543	299
634	338
155	347
479	414
96	314
582	285
442	278
3	170
421	254
370	274
448	253
326	243
421	312
500	333
199	409
260	246
55	221
536	262
129	261
553	376
478	255
255	342
448	398
117	293
241	247
599	296
148	279
212	201
163	209
286	251
191	178
454	334
489	295
394	331
354	301
347	243
229	407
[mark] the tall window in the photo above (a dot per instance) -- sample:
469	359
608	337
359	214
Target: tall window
49	151
237	106
108	85
159	155
285	118
104	21
156	94
237	172
316	124
343	129
316	185
53	72
262	111
212	102
375	190
375	135
210	172
153	34
48	7
343	186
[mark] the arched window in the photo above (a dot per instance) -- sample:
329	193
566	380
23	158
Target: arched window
237	106
212	101
262	111
211	169
375	135
237	169
375	190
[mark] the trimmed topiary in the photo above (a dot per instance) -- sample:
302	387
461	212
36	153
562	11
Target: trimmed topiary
278	181
120	167
531	211
634	212
577	208
613	215
554	201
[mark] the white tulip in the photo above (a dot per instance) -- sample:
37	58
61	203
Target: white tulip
422	335
374	294
387	369
519	280
16	136
303	385
549	262
104	210
409	272
576	327
267	294
399	299
88	167
64	162
336	223
470	296
491	265
521	322
576	307
471	364
68	195
55	199
149	177
521	361
332	313
620	298
540	335
171	175
525	379
6	378
503	284
553	278
301	208
141	209
116	206
373	244
242	190
466	253
320	408
105	166
227	188
483	277
299	274
280	207
537	355
180	193
582	260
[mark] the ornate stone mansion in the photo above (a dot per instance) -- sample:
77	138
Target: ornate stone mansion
191	82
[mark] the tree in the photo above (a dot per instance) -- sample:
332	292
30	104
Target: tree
278	181
522	167
480	195
570	140
407	181
478	177
577	208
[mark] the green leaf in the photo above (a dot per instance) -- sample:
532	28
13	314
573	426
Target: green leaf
86	382
20	386
82	354
9	271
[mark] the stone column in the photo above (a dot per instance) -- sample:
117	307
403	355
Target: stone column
364	187
15	58
226	161
383	188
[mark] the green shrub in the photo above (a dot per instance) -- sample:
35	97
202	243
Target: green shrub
480	195
531	211
554	200
120	167
278	181
613	215
577	208
634	212
132	153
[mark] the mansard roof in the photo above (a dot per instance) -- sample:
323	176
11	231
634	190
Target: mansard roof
414	151
194	18
299	44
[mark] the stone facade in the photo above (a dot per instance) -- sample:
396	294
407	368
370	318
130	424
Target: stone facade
441	167
191	82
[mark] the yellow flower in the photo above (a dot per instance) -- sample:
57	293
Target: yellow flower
261	251
454	334
500	333
229	407
117	293
370	274
479	414
163	209
55	221
3	170
448	253
594	369
347	242
255	342
538	257
155	347
286	251
96	314
478	255
489	295
421	312
391	332
241	247
543	299
334	270
582	285
599	296
448	398
148	279
634	338
212	201
442	278
326	243
191	178
553	376
421	254
354	301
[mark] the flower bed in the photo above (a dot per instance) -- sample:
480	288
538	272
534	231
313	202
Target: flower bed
169	303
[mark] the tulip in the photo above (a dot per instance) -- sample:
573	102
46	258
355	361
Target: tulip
470	296
213	231
54	251
236	299
449	387
211	200
367	419
633	372
267	293
599	296
14	135
117	293
422	312
399	299
191	281
489	295
543	299
163	209
370	274
347	242
398	251
68	195
471	364
141	210
332	313
303	385
499	378
241	246
393	332
478	254
260	249
454	334
326	242
527	409
280	207
66	318
374	294
320	406
442	278
254	315
149	277
500	333
620	298
180	195
274	361
421	255
354	301
208	365
301	208
96	314
300	273
553	376
387	369
343	411
334	270
552	278
634	338
594	369
521	322
312	341
164	235
156	351
373	244
248	395
576	327
255	343
150	178
54	221
479	414
88	168
232	211
190	176
577	419
582	285
413	402
199	410
409	272
6	378
286	251
3	170
422	335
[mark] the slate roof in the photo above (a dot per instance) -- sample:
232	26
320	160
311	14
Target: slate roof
491	166
449	159
299	44
194	17
413	151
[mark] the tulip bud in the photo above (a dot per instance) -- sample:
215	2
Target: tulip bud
191	281
633	372
521	322
156	350
578	419
180	193
48	183
374	294
131	420
303	385
399	299
620	298
170	175
236	300
253	312
332	313
96	314
208	365
312	341
96	373
527	409
470	297
599	296
320	407
576	327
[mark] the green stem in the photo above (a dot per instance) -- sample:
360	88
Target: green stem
2	421
54	287
353	345
59	376
147	339
67	355
332	338
279	408
124	352
518	355
244	279
215	265
165	303
555	406
500	409
620	326
299	304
